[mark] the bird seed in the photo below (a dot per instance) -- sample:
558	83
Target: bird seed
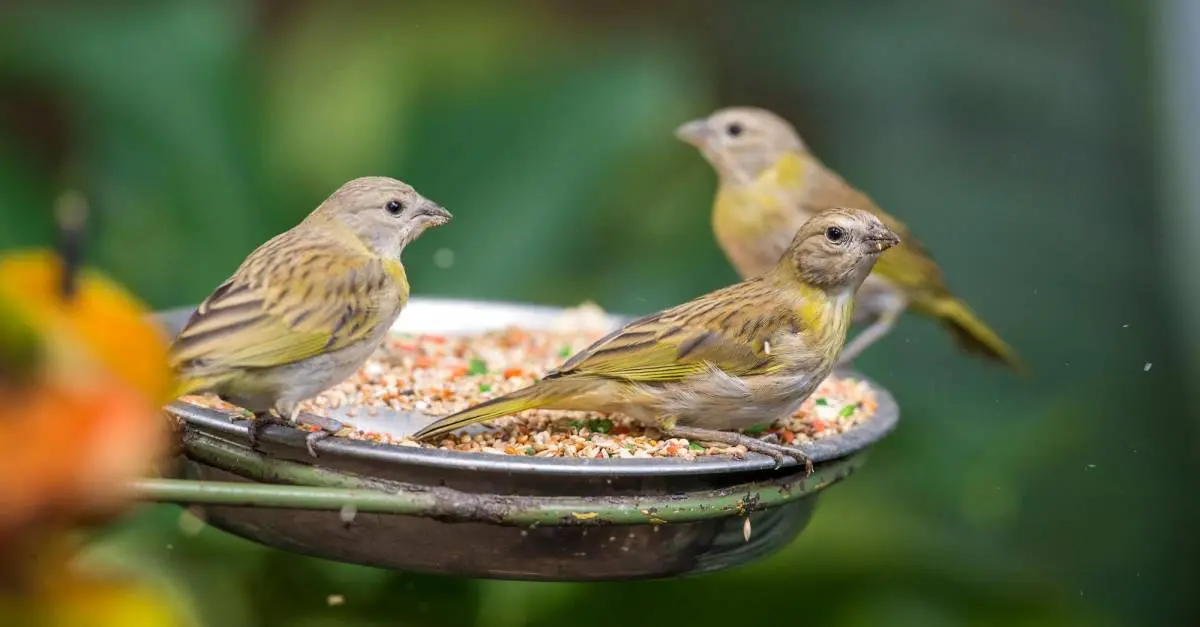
442	374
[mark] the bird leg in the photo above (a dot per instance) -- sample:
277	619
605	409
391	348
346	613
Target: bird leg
776	452
889	309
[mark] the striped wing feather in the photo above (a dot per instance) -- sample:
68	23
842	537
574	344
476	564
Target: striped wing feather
269	314
726	329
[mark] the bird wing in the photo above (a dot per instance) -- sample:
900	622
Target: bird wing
728	329
276	311
910	264
911	267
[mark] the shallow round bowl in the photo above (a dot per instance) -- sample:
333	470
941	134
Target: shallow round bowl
499	516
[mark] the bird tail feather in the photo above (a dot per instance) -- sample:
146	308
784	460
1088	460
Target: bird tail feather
506	405
975	336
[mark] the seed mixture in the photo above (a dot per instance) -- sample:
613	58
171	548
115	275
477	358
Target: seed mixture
439	375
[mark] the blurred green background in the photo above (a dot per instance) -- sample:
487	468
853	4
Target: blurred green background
1021	139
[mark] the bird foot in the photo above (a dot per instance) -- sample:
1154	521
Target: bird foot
777	452
325	427
260	421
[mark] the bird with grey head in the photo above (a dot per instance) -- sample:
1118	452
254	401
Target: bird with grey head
743	355
769	183
307	308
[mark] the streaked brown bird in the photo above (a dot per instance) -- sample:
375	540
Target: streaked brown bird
769	184
307	308
737	357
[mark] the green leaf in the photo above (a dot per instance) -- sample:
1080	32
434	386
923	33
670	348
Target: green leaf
485	387
756	429
576	424
477	367
848	410
529	450
692	446
822	402
565	351
603	425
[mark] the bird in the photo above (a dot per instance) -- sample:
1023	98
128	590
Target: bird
307	308
734	358
769	183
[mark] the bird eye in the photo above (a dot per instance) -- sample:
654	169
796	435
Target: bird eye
734	129
394	207
834	234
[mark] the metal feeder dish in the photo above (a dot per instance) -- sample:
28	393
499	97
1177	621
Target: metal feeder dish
499	516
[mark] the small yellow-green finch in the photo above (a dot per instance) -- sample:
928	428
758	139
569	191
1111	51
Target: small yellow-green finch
769	184
737	357
308	307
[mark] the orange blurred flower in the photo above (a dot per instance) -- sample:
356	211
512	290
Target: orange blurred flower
112	325
80	415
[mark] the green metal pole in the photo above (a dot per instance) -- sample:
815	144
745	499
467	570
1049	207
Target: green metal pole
323	489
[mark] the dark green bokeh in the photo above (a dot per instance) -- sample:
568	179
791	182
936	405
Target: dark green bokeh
1013	136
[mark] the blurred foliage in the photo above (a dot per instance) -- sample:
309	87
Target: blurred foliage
1012	135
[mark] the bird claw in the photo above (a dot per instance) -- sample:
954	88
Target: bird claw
777	452
260	421
312	438
327	427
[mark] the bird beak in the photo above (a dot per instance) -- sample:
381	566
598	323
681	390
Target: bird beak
882	240
434	214
696	132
